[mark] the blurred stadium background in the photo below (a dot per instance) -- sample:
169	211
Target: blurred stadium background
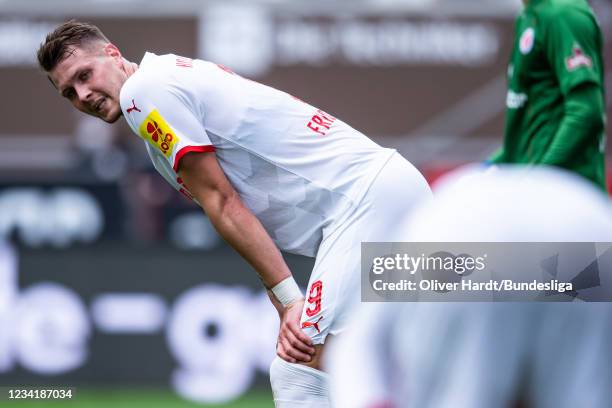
112	283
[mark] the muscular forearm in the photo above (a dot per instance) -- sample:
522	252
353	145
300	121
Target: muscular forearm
207	182
243	231
582	122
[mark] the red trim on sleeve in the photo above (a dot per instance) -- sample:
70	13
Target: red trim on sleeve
189	149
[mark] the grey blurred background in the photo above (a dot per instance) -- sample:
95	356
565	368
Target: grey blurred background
107	276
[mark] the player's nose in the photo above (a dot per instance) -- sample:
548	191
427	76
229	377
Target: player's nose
84	94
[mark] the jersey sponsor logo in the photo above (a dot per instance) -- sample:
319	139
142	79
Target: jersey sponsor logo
320	122
526	41
578	59
311	324
158	133
515	100
133	108
184	62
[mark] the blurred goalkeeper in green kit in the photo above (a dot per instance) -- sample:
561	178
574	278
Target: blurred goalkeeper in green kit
555	104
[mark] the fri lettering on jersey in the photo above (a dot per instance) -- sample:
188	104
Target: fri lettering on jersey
321	122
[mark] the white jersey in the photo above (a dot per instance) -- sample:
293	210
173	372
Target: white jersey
297	168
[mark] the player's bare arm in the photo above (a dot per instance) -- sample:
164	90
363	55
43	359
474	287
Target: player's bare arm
242	230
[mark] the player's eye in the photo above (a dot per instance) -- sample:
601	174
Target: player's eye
84	76
69	93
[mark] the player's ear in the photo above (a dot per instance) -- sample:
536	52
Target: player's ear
112	51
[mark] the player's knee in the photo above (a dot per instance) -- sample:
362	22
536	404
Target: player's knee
297	385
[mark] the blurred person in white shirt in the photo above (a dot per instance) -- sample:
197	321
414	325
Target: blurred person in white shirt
487	355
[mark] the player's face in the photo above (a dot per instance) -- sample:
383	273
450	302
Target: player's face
91	79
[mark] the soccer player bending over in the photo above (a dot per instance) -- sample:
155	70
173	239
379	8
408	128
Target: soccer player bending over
269	170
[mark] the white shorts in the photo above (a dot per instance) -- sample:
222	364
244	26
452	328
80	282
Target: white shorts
334	287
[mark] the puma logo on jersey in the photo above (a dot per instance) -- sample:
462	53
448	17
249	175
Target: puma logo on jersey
133	108
311	324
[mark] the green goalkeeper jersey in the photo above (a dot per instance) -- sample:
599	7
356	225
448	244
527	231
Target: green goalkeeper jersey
555	102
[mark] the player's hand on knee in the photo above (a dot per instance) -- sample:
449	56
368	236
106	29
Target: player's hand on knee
293	344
